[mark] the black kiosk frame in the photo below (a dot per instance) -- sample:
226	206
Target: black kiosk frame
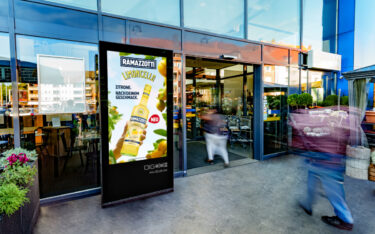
123	182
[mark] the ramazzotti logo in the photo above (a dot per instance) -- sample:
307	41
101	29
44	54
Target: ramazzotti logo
155	166
137	62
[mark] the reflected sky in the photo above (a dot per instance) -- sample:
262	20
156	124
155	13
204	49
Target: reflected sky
29	47
166	11
319	25
274	21
4	13
312	16
364	41
217	16
4	46
88	4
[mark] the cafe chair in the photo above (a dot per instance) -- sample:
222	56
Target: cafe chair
92	156
69	150
42	147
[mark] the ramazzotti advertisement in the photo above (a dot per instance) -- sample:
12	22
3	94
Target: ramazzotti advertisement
137	98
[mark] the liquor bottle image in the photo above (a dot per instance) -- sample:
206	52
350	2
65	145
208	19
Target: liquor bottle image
137	124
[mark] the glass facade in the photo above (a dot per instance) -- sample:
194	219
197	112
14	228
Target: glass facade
217	16
88	4
274	21
4	11
364	34
275	81
165	12
218	93
6	115
68	142
319	23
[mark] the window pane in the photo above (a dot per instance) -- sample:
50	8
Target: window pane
217	16
274	21
56	22
364	34
275	109
304	81
177	115
88	4
114	30
294	80
6	120
166	11
68	144
319	25
4	13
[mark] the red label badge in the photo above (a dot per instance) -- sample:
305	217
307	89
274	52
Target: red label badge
154	119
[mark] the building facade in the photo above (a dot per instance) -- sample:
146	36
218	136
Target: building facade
241	57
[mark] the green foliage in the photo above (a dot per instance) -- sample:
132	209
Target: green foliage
12	198
320	103
304	99
112	158
124	54
161	132
113	118
331	100
274	102
21	175
344	100
292	100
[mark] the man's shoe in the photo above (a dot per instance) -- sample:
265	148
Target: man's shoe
307	211
337	222
209	161
226	165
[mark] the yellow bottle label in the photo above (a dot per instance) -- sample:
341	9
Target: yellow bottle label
136	126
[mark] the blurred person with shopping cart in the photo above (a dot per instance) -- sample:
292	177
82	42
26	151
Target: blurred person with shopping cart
321	135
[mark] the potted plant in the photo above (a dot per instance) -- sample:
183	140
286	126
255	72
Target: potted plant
19	191
292	100
304	99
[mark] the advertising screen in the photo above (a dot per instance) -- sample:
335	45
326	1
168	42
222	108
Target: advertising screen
136	114
137	97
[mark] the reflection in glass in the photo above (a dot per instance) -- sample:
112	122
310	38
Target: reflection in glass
319	23
364	34
68	143
177	117
274	21
6	102
294	80
166	11
224	88
315	79
217	16
88	4
275	108
55	22
304	81
4	14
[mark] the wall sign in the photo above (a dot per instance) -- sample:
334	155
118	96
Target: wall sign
136	119
61	84
323	60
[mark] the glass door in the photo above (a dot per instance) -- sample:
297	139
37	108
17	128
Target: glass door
221	91
275	109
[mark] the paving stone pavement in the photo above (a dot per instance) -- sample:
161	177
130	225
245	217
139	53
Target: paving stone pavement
254	198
